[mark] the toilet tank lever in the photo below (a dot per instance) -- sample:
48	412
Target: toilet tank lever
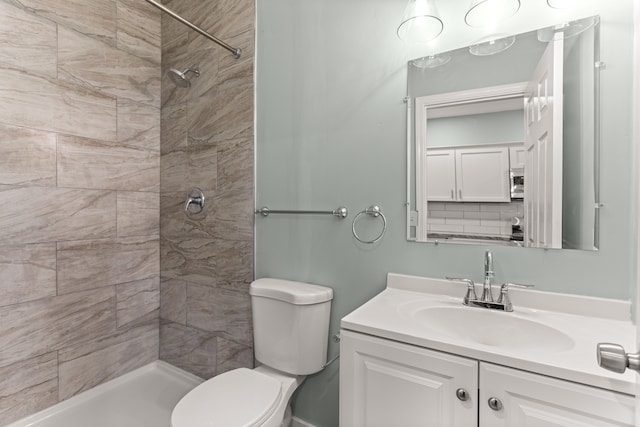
336	338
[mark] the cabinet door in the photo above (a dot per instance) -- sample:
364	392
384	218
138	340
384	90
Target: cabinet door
441	175
482	174
535	400
517	157
388	384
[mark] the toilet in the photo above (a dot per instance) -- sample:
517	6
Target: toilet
290	330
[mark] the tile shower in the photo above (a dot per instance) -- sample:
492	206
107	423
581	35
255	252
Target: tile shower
100	270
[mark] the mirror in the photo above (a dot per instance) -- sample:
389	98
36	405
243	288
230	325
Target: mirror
503	145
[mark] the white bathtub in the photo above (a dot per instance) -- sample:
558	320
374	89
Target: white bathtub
141	398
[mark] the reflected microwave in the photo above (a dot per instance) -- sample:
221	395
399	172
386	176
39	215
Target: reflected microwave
516	178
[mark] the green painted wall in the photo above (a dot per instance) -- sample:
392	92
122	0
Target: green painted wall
476	129
331	130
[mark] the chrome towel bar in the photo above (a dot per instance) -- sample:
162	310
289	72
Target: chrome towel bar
340	212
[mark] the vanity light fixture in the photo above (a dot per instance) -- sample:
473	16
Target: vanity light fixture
492	45
431	61
562	4
420	22
486	13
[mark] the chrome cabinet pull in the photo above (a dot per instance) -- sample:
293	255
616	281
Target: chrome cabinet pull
614	358
452	194
459	194
495	403
462	394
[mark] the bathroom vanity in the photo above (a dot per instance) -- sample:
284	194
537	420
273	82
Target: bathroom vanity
415	356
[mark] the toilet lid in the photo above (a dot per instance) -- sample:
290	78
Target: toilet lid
238	398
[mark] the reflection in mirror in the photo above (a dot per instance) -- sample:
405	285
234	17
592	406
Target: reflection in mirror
504	141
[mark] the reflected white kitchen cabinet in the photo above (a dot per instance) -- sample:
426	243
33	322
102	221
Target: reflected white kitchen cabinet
385	383
517	156
441	175
468	174
526	399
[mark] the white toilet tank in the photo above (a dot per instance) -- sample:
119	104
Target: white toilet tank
290	324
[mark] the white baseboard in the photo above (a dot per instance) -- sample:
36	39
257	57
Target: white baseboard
297	422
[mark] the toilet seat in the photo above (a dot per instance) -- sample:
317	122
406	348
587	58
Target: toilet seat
239	398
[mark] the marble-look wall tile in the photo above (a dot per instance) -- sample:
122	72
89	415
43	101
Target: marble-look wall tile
188	348
42	214
174	128
234	216
216	117
225	312
171	28
187	247
234	261
138	124
139	29
203	165
232	71
35	47
229	115
232	355
28	386
234	17
48	104
27	272
87	163
137	302
90	63
174	171
235	166
206	60
95	18
37	327
173	300
27	157
199	261
91	264
138	214
89	364
172	265
192	166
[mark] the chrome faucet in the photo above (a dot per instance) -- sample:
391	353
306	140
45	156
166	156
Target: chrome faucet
486	299
487	296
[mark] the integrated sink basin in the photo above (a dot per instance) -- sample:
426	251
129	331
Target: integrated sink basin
492	328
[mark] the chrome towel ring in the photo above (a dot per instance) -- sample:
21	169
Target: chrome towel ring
375	212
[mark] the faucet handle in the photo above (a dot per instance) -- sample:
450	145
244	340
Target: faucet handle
504	294
507	285
471	289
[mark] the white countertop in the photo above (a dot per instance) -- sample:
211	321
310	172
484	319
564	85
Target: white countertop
586	320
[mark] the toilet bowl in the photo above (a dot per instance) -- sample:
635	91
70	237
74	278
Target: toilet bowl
291	322
242	397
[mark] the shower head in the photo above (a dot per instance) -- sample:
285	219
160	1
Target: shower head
180	79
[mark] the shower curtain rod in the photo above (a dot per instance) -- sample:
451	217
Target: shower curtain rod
235	51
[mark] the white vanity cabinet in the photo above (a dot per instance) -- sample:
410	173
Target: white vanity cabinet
384	383
528	399
470	174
